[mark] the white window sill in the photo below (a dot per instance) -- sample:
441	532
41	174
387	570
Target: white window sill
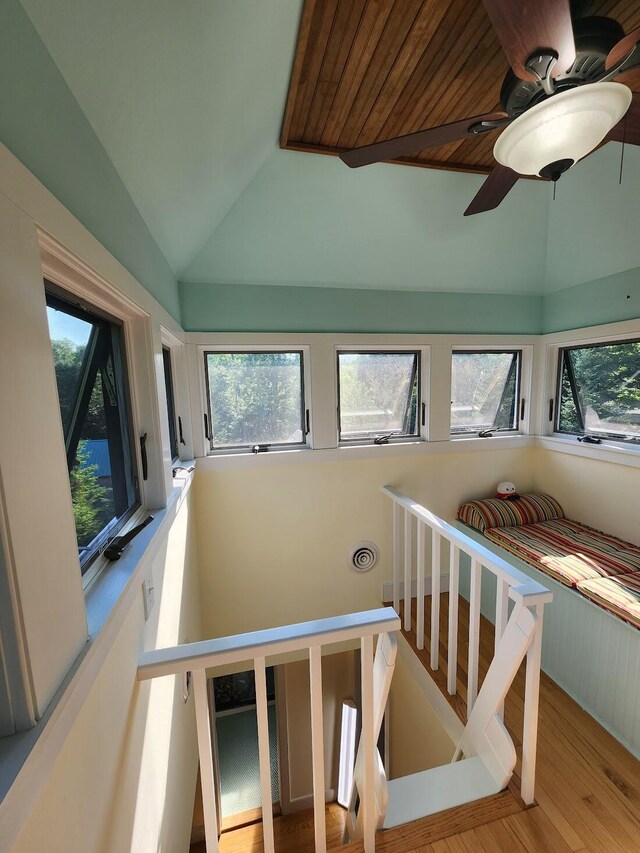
607	451
360	452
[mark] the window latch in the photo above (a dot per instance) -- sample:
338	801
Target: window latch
589	439
485	433
260	448
117	546
381	439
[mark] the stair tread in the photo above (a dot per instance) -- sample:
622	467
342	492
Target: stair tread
435	790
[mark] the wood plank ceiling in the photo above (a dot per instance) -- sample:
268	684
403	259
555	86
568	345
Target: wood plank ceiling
368	70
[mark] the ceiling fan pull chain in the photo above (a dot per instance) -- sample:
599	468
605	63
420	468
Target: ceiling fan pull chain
624	139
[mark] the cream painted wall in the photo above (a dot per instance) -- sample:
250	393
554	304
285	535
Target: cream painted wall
338	683
273	538
417	739
124	780
602	494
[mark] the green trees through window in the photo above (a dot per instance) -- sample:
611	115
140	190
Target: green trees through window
484	391
92	390
599	390
378	394
255	398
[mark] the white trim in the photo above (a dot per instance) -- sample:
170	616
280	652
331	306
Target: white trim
77	278
619	454
549	353
224	462
32	759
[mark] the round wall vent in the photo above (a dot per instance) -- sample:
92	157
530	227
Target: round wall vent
363	556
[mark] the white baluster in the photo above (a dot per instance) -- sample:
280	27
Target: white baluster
454	585
474	634
502	616
205	751
317	747
531	702
368	745
420	585
397	548
407	570
264	755
435	597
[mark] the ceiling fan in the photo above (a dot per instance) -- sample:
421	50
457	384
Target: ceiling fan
558	99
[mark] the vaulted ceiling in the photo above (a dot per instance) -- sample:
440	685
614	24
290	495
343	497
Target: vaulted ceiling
187	98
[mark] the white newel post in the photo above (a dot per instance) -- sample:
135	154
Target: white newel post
531	703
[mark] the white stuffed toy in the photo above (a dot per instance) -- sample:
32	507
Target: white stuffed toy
507	491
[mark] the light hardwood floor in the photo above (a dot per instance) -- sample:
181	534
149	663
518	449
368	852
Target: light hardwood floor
587	790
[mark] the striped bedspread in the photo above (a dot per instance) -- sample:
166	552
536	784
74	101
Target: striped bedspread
620	595
568	551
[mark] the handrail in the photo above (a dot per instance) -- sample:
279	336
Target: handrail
254	648
521	587
271	641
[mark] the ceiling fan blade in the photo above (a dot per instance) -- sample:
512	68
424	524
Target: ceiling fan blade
526	28
622	48
496	187
401	146
628	129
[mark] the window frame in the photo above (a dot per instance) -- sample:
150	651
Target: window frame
421	403
522	381
306	415
83	285
604	437
78	308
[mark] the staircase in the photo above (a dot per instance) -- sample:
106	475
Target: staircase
484	759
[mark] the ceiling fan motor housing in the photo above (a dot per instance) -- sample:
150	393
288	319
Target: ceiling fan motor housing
594	38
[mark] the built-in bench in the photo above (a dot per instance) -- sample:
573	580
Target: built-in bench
591	644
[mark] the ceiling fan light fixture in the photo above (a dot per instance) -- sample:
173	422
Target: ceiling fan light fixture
566	126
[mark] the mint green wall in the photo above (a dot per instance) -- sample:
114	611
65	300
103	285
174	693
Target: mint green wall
186	96
310	220
42	124
265	308
607	300
594	223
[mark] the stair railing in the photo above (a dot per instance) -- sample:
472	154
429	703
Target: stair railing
413	524
197	658
383	667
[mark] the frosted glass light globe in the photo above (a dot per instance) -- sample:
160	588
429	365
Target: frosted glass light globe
567	126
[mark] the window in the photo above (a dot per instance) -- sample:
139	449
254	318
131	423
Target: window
88	352
171	405
378	395
255	399
485	387
599	391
